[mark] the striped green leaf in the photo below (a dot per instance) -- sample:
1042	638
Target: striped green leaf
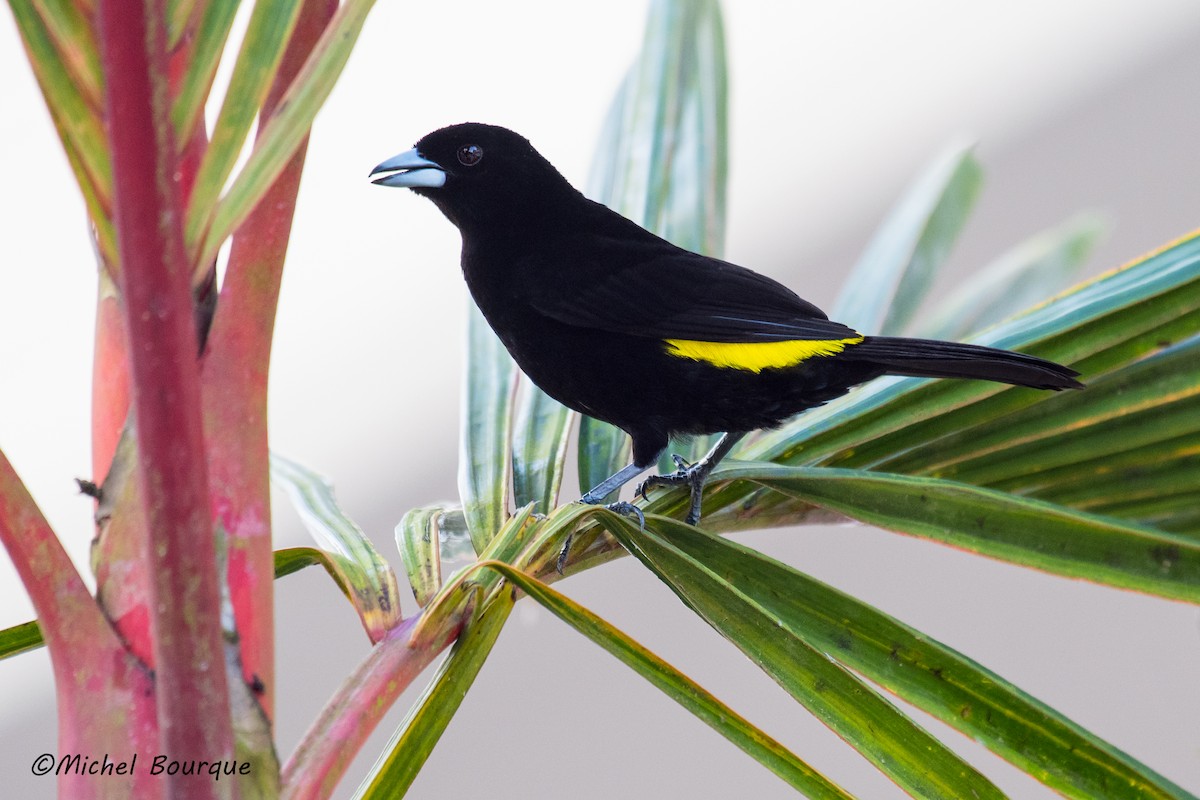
896	745
1021	530
541	432
885	288
266	38
357	566
207	48
287	127
485	457
677	686
1037	268
926	673
418	538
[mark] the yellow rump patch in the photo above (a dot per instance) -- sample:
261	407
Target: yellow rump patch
757	356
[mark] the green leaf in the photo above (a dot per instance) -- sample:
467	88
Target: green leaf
207	47
896	745
1038	268
179	12
78	124
1099	327
417	735
1153	401
1021	530
418	539
352	558
926	673
485	459
76	44
885	288
677	686
288	127
266	38
541	431
294	559
20	638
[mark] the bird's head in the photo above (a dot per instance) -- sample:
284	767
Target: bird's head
475	173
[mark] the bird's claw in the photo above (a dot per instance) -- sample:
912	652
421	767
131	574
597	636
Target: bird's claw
620	507
693	476
626	509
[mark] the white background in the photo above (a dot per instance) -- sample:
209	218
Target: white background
834	106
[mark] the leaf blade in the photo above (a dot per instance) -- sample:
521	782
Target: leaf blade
926	673
676	685
1021	530
363	573
891	741
890	279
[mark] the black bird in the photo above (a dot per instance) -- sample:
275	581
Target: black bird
620	324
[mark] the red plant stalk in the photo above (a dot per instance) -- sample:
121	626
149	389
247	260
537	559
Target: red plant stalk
234	382
122	577
105	696
191	691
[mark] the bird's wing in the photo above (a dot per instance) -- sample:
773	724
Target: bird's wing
676	294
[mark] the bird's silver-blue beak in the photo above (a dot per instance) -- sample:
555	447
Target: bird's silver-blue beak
410	169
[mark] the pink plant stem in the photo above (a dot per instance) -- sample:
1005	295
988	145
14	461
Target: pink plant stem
103	694
191	690
351	715
234	382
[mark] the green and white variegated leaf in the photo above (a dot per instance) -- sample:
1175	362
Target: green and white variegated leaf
885	288
363	573
485	456
1039	267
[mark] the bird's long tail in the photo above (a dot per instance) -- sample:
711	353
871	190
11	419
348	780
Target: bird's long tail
926	358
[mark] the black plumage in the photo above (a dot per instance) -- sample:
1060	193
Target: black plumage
620	324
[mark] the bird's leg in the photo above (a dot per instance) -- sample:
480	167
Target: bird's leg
695	475
595	496
604	488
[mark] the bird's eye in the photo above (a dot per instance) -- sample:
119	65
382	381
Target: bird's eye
470	154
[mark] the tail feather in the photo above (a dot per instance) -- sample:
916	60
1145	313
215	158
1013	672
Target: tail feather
926	358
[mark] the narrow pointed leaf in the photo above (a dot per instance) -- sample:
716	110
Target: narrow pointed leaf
1101	326
359	567
677	686
896	745
1022	530
207	48
1153	400
75	42
887	285
262	49
78	123
1038	268
418	539
927	674
20	638
288	128
541	431
485	459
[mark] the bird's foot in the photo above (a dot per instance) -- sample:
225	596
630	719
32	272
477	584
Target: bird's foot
693	476
620	507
